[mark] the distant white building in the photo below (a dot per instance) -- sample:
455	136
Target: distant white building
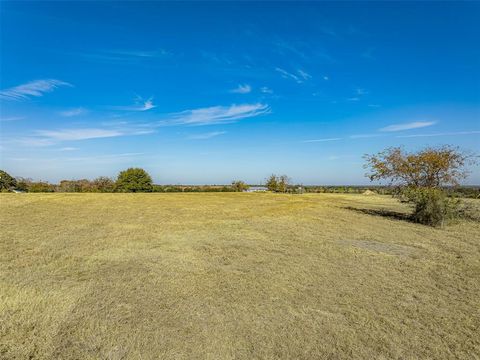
256	189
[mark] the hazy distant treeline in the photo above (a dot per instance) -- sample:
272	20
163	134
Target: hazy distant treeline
138	180
105	185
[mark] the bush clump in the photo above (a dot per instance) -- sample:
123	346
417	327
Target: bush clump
134	180
432	206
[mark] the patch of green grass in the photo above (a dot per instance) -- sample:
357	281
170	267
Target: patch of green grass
233	276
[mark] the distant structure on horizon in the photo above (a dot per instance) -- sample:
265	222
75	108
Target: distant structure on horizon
256	189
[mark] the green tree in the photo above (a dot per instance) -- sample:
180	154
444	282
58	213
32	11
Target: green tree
282	183
272	183
22	184
134	180
7	182
239	186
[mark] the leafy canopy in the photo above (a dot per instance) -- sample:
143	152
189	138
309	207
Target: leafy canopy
239	185
7	182
134	180
430	167
278	183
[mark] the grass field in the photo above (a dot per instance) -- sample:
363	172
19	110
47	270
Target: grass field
233	276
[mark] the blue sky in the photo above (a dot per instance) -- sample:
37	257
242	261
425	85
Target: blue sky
210	92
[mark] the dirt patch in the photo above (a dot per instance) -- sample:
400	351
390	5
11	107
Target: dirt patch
389	249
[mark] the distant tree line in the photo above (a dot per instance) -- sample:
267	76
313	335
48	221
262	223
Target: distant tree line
431	168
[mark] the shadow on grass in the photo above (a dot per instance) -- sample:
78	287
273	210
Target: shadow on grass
383	213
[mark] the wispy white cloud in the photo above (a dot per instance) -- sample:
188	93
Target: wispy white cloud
140	105
140	53
203	116
300	76
77	134
321	140
205	136
31	89
49	137
242	89
68	148
456	133
361	92
364	136
286	47
408	126
216	114
11	118
266	90
73	112
326	78
124	56
304	74
374	105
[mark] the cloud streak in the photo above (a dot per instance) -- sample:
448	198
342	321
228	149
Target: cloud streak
73	112
12	118
242	89
206	136
321	140
140	105
51	137
266	90
197	117
299	77
216	115
34	88
442	134
408	126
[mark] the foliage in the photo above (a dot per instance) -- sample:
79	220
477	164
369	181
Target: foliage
104	184
40	186
22	184
429	167
134	180
432	206
272	183
282	183
7	182
278	183
239	186
82	185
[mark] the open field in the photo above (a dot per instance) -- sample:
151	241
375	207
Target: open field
233	276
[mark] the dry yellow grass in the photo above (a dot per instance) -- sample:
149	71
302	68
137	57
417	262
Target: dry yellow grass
232	276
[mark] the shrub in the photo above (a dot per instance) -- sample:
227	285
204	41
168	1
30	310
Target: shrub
432	206
272	182
278	183
239	186
82	186
104	184
7	182
40	186
134	180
